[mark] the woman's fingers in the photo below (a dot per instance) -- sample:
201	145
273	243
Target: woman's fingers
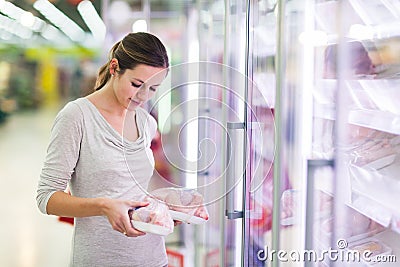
133	232
129	230
119	228
138	204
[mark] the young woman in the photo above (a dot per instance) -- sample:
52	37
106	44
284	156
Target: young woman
100	146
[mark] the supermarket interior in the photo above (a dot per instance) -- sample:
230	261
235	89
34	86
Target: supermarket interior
277	137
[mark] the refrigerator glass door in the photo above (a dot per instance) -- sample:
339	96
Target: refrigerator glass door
298	204
221	131
261	21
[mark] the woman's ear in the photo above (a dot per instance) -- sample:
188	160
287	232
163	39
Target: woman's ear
113	66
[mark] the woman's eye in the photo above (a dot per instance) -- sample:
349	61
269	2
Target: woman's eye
153	89
136	85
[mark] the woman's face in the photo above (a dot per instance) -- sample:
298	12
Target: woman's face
136	86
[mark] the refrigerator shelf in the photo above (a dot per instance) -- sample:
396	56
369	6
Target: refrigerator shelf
381	185
371	208
374	119
372	103
383	93
387	241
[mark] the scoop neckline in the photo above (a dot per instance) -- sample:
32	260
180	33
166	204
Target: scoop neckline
121	136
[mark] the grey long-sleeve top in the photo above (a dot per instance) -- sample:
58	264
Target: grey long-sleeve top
94	159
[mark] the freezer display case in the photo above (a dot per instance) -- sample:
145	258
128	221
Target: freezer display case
335	181
352	89
318	153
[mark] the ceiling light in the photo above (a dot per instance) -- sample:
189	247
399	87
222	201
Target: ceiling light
139	26
53	34
92	20
119	12
11	10
27	19
59	19
12	26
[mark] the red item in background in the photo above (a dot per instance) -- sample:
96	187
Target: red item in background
66	220
161	162
74	2
175	259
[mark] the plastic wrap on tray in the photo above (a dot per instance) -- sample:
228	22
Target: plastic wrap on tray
154	218
185	205
290	205
372	148
357	226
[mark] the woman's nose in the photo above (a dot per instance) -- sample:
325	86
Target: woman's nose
142	93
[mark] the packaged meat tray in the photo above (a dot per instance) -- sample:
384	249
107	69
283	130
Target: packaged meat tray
291	201
380	185
373	246
185	205
154	218
357	227
377	153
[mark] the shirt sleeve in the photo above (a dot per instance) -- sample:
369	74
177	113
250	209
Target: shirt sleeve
62	154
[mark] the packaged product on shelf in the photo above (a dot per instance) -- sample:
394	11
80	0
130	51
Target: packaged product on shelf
360	100
360	67
357	227
290	204
374	247
372	208
186	205
379	185
153	218
371	148
388	72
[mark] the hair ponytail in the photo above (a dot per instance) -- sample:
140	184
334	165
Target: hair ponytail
103	74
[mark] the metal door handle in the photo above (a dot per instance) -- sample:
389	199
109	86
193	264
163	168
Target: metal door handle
232	159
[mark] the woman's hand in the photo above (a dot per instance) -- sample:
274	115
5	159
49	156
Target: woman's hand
117	210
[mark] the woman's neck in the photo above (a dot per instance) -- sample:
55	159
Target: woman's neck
106	100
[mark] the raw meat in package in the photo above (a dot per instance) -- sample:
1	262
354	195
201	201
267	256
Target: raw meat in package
186	205
153	218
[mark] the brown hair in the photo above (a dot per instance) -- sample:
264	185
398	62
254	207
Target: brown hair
134	49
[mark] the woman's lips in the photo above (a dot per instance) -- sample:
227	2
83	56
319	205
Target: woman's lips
135	102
